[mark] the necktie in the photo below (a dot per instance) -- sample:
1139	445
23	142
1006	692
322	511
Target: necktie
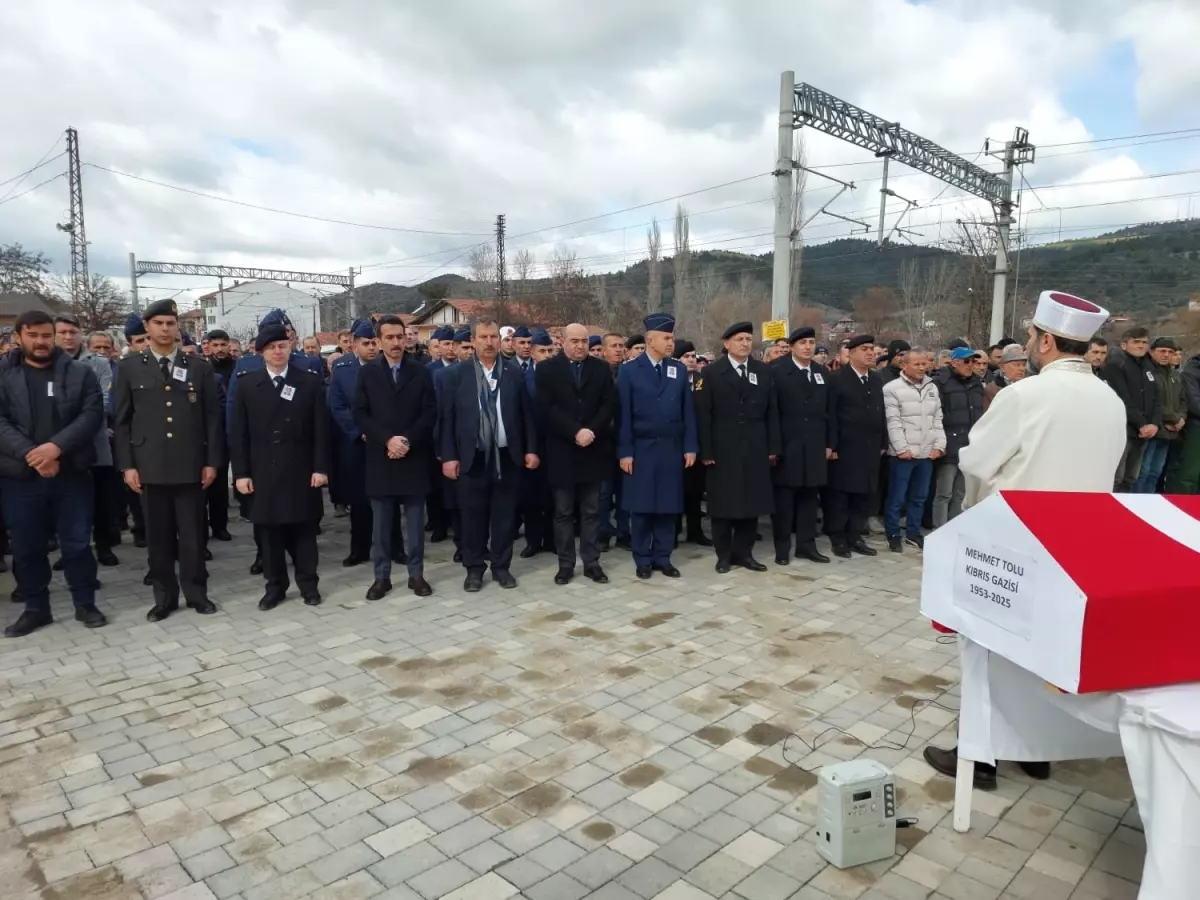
808	376
658	370
166	368
395	374
278	379
577	369
864	379
524	365
742	371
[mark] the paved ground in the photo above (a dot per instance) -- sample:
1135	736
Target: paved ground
548	743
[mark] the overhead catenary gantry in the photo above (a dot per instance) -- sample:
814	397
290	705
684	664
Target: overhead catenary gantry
803	105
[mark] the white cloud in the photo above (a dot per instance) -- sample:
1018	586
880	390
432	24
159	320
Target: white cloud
437	116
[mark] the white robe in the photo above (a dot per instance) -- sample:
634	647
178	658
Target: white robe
1060	430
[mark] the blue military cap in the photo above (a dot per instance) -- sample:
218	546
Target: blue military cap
463	334
275	317
269	334
523	332
442	333
822	348
134	326
541	338
362	328
187	340
595	341
659	322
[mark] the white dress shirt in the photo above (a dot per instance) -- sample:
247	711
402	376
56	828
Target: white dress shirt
501	435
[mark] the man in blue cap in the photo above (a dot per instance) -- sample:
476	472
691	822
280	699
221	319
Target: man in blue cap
961	391
536	507
441	341
138	340
441	349
252	363
656	441
523	348
461	349
596	346
187	343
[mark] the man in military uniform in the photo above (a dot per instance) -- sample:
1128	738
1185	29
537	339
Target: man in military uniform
250	363
435	502
279	452
737	419
802	393
656	441
138	340
169	444
693	478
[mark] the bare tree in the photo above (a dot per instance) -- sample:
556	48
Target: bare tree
482	265
975	243
568	295
103	306
600	298
928	289
702	296
681	263
654	267
522	265
22	272
799	179
874	308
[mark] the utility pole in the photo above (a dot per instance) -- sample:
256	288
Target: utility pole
501	270
781	270
78	234
133	290
1016	152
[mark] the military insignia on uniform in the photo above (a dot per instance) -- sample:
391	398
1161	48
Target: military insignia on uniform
699	384
191	396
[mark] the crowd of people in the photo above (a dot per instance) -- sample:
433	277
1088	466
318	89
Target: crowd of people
581	442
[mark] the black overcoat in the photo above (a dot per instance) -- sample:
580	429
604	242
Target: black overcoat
857	431
383	409
803	423
564	408
738	423
279	443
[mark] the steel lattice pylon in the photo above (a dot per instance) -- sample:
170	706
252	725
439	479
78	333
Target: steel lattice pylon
80	284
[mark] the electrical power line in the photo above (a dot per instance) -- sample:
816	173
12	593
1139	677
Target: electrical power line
34	188
44	161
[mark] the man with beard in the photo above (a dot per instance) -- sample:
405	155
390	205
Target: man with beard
802	391
857	439
737	421
1061	431
50	409
217	495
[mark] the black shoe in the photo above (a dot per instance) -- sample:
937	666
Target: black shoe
530	551
860	546
312	599
340	511
90	616
457	556
139	541
16	596
896	544
400	559
256	567
625	543
595	573
28	622
473	583
147	580
723	567
643	572
355	559
222	534
107	558
270	601
700	539
946	763
782	559
749	562
812	554
504	579
379	588
58	565
438	536
605	544
564	576
204	607
841	551
419	586
158	613
1038	771
669	570
916	540
207	555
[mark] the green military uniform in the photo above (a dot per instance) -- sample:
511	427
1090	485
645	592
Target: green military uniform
168	428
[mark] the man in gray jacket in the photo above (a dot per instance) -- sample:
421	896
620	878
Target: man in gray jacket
913	409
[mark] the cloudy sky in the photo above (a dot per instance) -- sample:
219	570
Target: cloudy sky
419	121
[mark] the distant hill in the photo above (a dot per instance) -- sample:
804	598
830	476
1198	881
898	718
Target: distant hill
399	298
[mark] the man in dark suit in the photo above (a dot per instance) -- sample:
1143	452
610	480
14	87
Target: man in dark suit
438	514
536	504
738	423
169	443
577	402
348	443
656	441
395	408
857	437
460	349
488	437
279	453
693	477
802	391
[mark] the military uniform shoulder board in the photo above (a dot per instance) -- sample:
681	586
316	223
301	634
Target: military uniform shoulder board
240	372
312	371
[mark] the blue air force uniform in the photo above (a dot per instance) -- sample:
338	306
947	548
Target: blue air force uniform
437	513
657	426
536	507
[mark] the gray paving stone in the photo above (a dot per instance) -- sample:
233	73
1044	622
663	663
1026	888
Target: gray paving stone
687	851
408	863
598	867
343	862
649	877
441	879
